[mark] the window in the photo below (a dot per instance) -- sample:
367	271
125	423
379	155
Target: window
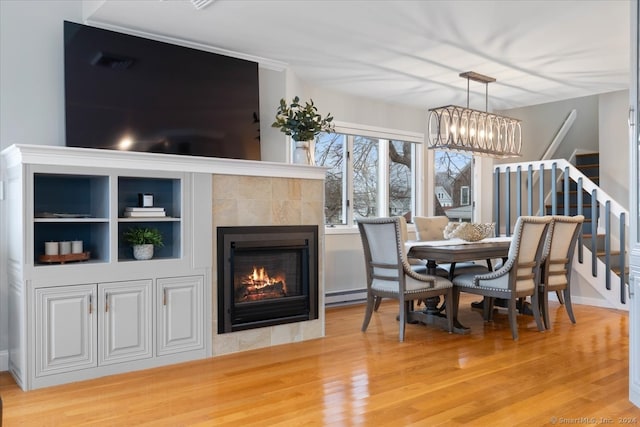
401	179
464	195
453	185
367	177
330	151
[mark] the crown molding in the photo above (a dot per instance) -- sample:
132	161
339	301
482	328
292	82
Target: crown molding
265	63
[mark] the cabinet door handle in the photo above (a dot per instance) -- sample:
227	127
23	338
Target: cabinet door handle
106	302
90	304
164	296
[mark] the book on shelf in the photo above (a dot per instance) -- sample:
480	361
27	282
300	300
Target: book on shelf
150	214
137	209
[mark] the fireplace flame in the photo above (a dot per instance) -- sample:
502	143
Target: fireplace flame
259	285
260	279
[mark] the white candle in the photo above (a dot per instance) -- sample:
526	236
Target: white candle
51	248
65	248
76	247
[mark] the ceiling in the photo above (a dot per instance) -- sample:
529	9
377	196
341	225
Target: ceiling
410	52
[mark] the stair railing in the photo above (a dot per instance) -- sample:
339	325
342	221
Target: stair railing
559	137
560	171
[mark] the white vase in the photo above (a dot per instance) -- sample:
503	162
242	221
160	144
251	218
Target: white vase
143	251
302	154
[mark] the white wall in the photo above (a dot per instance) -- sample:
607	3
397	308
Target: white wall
31	84
364	111
32	70
614	145
273	143
540	123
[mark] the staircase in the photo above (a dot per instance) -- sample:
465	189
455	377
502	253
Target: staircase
557	187
589	165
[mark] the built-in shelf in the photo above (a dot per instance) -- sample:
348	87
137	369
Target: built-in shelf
167	195
68	207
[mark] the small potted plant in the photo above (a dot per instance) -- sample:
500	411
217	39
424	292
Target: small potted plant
302	123
143	240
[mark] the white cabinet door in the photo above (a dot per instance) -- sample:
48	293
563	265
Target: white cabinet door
65	324
124	321
179	314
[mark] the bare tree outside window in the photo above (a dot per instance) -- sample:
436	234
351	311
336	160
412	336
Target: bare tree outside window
354	178
453	172
400	179
330	149
365	177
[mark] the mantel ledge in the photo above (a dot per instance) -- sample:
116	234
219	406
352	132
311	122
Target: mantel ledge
90	157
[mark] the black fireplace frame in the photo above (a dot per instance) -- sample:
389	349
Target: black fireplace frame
231	317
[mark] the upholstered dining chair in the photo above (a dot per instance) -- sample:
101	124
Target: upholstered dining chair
517	278
389	274
430	227
560	245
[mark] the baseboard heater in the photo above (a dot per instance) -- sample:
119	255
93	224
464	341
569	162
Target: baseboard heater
345	297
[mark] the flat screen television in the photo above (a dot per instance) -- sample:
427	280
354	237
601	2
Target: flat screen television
125	92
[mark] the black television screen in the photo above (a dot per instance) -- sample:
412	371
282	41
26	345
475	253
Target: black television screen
125	92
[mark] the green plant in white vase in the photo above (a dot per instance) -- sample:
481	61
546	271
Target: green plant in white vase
143	240
302	123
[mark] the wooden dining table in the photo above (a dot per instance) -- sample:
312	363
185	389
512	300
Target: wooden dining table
451	252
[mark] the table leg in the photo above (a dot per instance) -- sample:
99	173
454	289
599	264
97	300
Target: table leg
437	319
432	314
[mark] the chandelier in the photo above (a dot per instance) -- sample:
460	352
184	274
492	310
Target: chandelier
458	128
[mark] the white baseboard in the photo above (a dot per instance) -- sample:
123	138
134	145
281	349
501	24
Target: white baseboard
596	302
4	360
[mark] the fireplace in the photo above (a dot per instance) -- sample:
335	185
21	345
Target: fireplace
267	275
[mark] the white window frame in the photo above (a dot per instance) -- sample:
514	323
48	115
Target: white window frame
384	136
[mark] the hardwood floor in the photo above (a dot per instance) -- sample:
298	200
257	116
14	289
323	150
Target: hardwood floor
572	374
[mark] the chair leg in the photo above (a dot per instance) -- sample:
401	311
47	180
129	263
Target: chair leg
512	318
377	303
567	304
544	305
487	309
404	307
535	307
368	312
559	295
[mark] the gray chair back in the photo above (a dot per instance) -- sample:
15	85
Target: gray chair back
383	258
559	249
525	253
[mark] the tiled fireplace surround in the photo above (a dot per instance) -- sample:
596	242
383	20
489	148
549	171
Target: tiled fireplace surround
256	200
